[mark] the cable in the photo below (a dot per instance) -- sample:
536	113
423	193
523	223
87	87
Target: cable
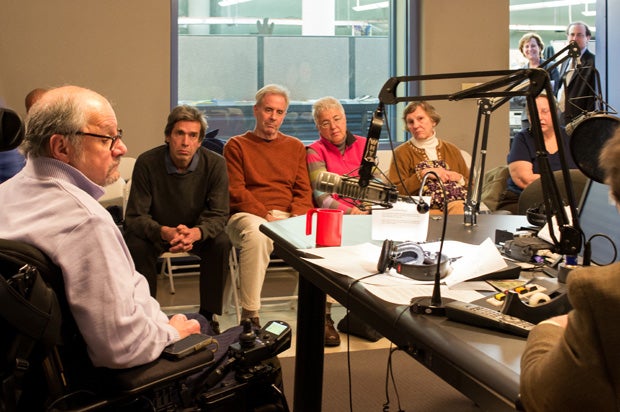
395	161
348	317
390	372
389	375
281	395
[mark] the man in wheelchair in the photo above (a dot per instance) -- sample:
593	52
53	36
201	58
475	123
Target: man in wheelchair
113	332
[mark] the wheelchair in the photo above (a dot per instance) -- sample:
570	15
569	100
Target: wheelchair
44	364
46	367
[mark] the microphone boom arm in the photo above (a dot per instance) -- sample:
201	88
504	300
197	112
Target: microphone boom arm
494	94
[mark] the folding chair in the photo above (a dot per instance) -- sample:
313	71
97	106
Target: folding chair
277	268
178	264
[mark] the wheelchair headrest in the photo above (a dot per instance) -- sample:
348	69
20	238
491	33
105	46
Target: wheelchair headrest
11	129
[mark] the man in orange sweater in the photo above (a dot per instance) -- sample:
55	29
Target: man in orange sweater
268	181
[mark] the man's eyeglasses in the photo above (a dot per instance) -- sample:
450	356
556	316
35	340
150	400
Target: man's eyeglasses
100	136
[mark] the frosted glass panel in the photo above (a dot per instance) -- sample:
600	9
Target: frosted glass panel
207	72
311	67
221	75
371	65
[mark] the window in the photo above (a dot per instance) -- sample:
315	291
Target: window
549	20
228	49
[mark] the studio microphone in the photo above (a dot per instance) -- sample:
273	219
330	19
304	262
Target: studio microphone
424	207
575	52
370	150
349	187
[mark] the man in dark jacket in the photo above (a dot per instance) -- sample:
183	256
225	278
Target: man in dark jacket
179	203
577	88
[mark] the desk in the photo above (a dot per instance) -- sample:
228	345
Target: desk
482	364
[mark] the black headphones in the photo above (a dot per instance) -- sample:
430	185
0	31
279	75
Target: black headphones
536	215
409	259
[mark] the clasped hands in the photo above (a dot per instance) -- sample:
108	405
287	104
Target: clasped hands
180	238
444	174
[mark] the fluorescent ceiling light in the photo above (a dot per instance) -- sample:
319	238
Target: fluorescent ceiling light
252	21
371	6
536	27
225	3
549	4
240	20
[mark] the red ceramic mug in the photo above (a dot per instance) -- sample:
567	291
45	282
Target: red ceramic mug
328	226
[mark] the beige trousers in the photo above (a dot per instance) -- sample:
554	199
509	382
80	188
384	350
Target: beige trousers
254	254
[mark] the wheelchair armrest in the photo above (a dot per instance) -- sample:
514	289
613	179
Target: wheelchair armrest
160	371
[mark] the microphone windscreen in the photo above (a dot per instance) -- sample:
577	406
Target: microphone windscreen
588	134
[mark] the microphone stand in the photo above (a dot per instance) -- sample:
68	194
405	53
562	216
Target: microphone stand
569	242
434	304
493	94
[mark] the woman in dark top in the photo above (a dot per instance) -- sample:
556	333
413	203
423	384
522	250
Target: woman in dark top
522	160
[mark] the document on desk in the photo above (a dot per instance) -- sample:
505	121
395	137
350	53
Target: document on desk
402	222
360	261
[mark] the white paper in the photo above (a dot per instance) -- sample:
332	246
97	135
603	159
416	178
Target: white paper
402	222
360	262
544	233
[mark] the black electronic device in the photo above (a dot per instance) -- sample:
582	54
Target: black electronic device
483	317
267	342
525	248
253	348
188	345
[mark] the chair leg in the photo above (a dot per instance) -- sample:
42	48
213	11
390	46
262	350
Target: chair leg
233	293
168	264
234	281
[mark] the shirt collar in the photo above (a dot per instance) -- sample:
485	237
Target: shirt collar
47	167
348	141
172	169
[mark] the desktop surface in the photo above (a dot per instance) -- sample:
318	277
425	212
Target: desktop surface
357	229
481	363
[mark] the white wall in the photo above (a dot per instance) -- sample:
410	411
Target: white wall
118	48
466	36
121	49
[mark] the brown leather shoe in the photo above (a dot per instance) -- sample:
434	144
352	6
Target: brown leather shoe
332	337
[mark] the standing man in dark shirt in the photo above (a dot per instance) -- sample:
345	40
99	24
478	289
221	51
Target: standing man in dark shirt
577	88
179	203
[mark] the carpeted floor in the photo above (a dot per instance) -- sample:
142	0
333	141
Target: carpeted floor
419	389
